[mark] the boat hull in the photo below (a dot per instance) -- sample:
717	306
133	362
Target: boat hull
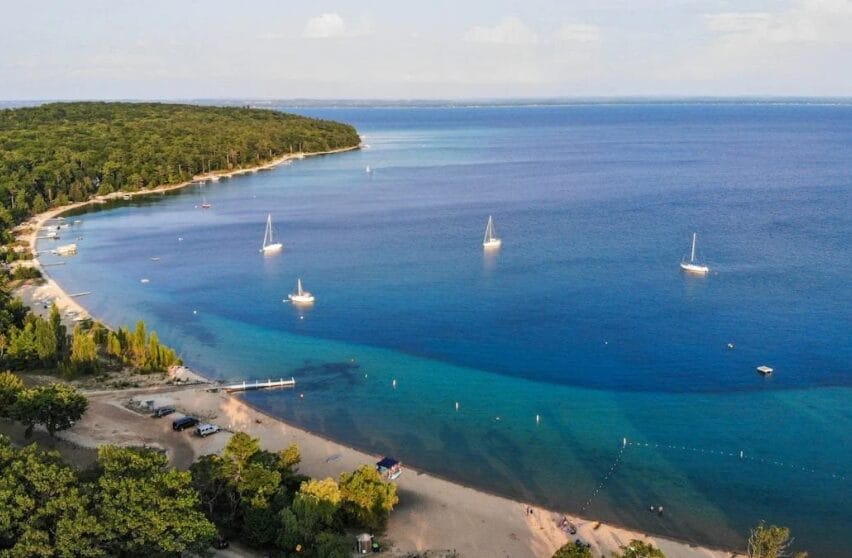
492	244
272	248
301	299
694	268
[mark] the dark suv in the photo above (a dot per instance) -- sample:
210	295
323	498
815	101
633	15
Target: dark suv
163	411
184	423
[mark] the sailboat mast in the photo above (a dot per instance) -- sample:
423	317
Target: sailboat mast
692	256
299	286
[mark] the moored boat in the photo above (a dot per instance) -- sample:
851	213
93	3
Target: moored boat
692	266
269	245
301	296
490	241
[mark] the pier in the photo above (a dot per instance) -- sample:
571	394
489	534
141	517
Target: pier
246	386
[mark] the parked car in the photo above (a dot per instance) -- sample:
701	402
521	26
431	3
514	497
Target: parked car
163	411
184	423
206	429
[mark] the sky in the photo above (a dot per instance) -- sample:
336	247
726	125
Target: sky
435	49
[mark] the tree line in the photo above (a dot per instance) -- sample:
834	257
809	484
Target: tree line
132	504
58	153
30	342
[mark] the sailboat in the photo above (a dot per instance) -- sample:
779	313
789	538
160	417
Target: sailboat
269	246
205	204
691	266
368	170
490	241
301	296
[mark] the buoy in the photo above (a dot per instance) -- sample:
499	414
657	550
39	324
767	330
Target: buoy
180	238
195	311
301	317
730	345
301	395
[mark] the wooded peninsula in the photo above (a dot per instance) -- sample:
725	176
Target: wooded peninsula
59	153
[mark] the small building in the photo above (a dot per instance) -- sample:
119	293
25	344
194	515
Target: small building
365	543
389	468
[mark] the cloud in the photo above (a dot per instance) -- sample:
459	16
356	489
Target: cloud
805	21
510	31
737	22
330	25
578	33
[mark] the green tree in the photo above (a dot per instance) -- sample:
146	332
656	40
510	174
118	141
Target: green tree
59	331
238	489
45	342
10	386
573	550
641	549
84	352
333	545
45	512
55	406
146	509
771	541
367	499
313	511
22	350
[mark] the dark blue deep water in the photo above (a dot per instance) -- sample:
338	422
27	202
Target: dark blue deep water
583	317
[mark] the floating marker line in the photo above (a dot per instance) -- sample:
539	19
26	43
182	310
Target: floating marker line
740	454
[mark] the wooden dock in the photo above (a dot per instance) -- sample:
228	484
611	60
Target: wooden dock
247	386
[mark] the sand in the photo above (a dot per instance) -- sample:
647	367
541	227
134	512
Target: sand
433	514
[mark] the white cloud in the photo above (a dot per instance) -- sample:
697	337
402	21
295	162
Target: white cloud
736	22
332	25
510	31
806	21
578	33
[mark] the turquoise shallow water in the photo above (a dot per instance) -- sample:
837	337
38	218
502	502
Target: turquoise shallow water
583	317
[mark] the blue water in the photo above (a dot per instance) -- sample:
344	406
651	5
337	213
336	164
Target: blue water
582	318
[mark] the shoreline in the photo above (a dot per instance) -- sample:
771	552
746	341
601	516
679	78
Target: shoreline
32	294
441	512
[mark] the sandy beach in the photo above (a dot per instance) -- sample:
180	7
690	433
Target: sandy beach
433	513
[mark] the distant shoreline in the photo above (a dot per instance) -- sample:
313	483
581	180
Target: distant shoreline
545	536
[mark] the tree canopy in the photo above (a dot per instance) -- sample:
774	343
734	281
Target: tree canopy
574	549
771	541
55	406
60	152
641	549
133	506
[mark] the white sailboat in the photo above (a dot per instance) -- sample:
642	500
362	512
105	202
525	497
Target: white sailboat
269	245
692	266
301	296
490	241
205	204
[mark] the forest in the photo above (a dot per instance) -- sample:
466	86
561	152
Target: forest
58	153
